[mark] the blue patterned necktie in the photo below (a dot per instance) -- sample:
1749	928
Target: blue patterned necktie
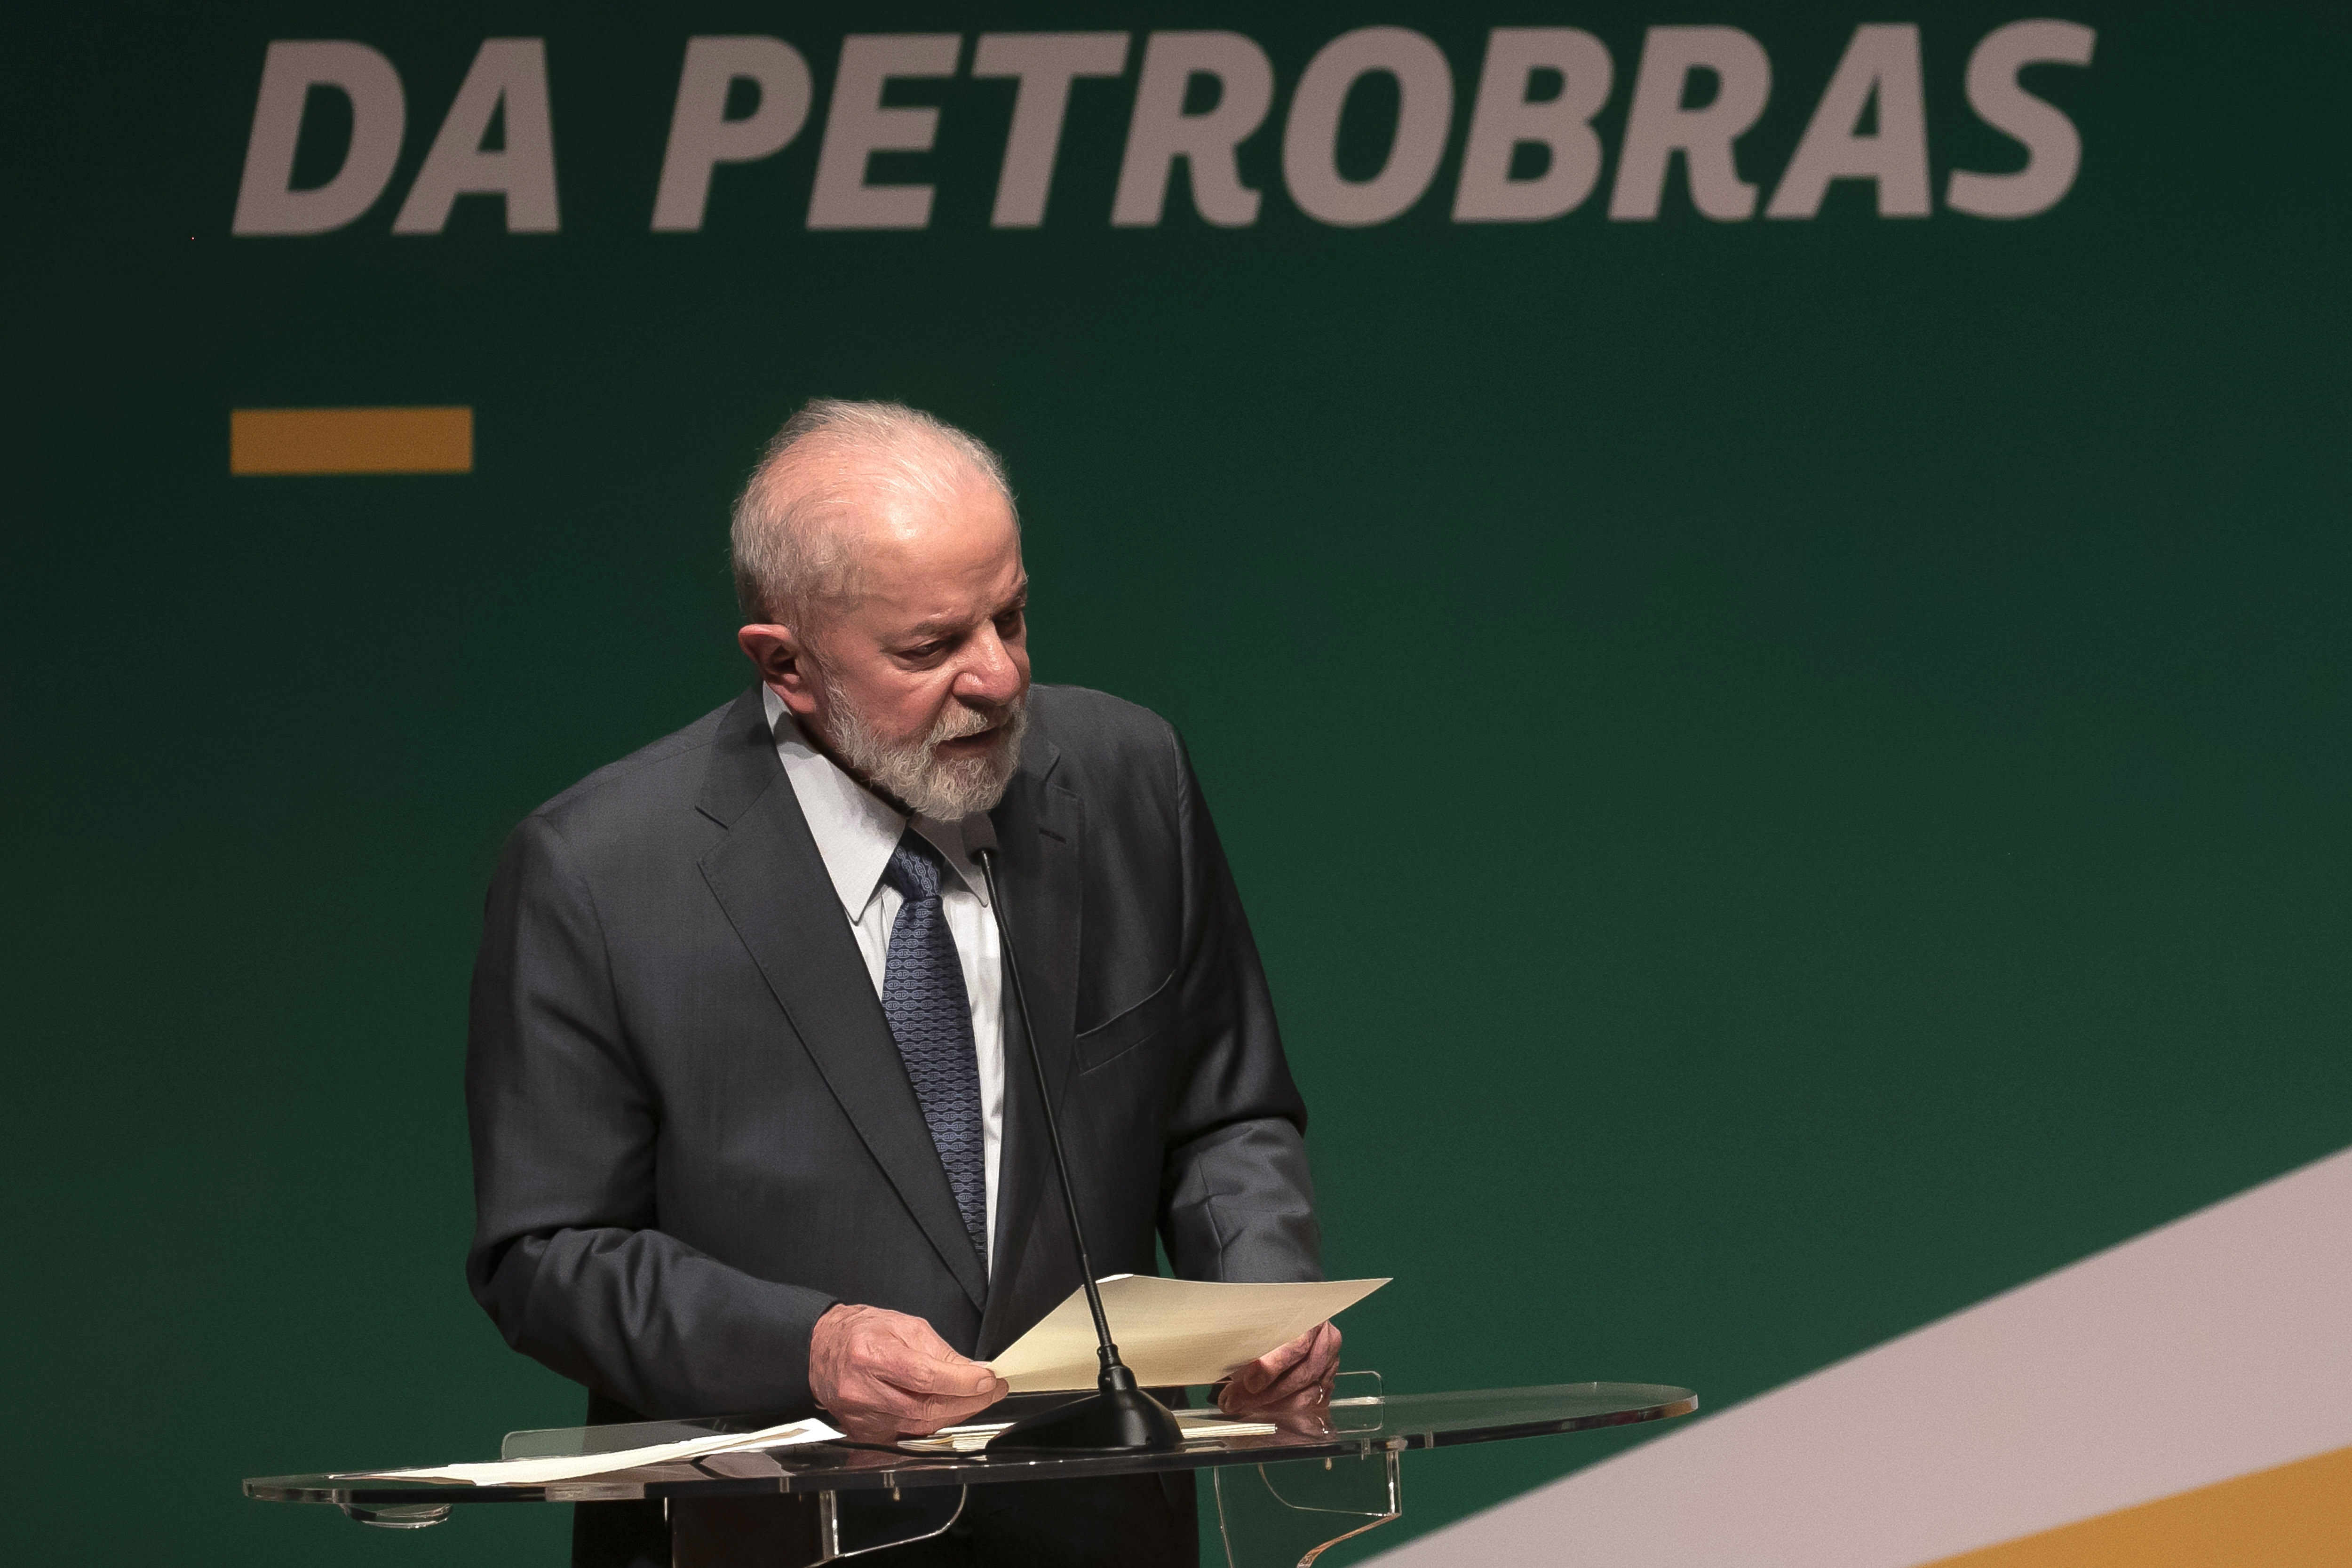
930	1017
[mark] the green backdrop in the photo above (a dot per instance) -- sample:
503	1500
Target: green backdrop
1790	775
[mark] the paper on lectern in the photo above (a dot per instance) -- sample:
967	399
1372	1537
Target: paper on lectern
1196	1425
568	1468
1172	1334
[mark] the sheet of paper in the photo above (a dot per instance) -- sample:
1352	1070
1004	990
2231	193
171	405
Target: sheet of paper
1197	1427
539	1472
1172	1334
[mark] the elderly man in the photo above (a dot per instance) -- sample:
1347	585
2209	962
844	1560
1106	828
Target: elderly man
745	1137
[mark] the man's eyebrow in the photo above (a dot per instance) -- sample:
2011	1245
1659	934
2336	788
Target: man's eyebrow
923	630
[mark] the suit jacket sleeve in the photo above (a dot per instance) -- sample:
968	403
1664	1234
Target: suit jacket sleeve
1236	1200
568	1258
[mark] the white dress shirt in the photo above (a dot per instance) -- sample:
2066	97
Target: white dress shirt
855	834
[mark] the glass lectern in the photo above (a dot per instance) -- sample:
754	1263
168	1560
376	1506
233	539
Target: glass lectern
1281	1498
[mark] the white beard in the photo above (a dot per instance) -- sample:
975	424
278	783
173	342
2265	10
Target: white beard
945	789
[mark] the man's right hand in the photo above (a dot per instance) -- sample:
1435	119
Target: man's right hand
882	1376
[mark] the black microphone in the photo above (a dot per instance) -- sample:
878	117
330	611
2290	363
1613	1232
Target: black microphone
1119	1417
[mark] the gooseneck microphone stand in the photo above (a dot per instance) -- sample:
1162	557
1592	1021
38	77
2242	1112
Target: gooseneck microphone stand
1119	1417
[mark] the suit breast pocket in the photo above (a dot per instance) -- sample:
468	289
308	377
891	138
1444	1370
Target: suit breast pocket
1122	1033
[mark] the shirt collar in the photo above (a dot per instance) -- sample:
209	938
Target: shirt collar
856	830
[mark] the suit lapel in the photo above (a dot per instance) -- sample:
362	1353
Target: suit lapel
768	878
1041	827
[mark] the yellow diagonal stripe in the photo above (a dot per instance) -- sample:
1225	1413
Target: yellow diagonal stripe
2297	1516
350	441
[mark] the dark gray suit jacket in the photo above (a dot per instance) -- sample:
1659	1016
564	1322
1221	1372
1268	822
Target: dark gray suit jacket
692	1132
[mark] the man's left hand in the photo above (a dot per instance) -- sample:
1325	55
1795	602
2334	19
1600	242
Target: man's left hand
1300	1371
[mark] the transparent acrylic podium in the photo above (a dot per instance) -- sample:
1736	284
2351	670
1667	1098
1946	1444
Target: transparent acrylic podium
1282	1512
1281	1499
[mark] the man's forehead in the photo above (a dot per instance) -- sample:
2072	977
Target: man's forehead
953	571
969	532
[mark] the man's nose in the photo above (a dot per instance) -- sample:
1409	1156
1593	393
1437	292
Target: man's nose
989	677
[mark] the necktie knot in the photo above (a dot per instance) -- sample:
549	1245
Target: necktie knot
915	868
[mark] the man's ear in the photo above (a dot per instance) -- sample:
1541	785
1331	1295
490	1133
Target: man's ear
783	665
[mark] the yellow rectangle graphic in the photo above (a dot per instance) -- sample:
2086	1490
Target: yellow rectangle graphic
350	441
2298	1515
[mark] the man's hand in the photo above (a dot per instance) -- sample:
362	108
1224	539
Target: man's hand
1297	1376
883	1376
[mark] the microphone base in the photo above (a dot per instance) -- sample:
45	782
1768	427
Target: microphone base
1112	1421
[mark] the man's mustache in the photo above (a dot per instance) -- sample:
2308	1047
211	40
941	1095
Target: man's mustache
960	720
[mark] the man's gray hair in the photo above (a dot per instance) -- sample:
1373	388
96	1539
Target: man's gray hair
792	550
